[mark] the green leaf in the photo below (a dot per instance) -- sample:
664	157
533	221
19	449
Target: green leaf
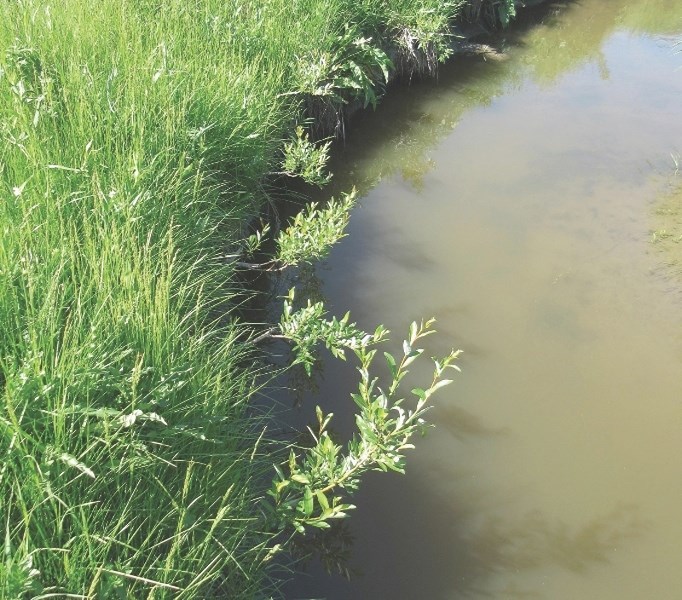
358	399
440	384
391	364
322	499
395	466
308	502
413	332
412	356
300	478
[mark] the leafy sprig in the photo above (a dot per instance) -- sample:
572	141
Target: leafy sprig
306	490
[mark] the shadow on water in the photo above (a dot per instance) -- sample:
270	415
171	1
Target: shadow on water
460	538
457	544
498	545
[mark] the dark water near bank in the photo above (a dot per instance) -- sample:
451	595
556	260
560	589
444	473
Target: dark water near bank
515	202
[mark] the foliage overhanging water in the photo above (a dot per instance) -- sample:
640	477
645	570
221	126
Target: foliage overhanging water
515	201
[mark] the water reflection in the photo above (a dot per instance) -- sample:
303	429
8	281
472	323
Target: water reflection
512	200
499	547
412	124
465	549
332	548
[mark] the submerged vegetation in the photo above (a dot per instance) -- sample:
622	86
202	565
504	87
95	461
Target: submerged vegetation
667	237
138	141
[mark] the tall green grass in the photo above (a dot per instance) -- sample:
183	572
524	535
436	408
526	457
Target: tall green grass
135	138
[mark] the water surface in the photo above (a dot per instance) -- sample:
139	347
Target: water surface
514	201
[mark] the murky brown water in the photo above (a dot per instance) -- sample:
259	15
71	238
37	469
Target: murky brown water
515	202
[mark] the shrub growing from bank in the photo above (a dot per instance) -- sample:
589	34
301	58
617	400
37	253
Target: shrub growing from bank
137	141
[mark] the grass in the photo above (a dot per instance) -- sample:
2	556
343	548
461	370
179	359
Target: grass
136	138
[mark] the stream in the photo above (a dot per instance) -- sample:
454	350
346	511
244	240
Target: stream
515	200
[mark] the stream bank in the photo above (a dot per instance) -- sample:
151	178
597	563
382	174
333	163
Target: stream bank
138	139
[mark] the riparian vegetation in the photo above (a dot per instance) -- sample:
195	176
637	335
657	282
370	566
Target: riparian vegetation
138	142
